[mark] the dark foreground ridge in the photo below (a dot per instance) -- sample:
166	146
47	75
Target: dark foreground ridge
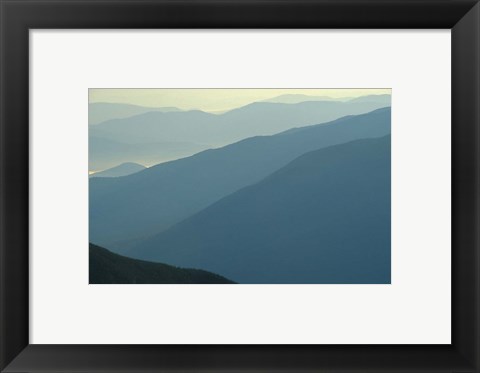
109	268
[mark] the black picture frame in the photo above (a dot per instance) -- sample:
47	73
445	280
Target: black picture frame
18	16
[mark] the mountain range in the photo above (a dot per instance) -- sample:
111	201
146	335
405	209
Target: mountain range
322	218
155	136
124	211
297	98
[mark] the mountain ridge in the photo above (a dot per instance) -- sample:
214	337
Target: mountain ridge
156	198
106	267
330	205
221	129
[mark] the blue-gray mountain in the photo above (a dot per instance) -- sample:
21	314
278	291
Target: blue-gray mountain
173	131
124	210
323	218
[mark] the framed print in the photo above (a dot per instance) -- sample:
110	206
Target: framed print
239	186
276	240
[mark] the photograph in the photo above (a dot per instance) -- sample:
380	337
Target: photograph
239	186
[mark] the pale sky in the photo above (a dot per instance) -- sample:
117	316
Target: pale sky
212	99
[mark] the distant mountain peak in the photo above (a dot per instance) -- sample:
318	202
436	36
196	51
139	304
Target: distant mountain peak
295	98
